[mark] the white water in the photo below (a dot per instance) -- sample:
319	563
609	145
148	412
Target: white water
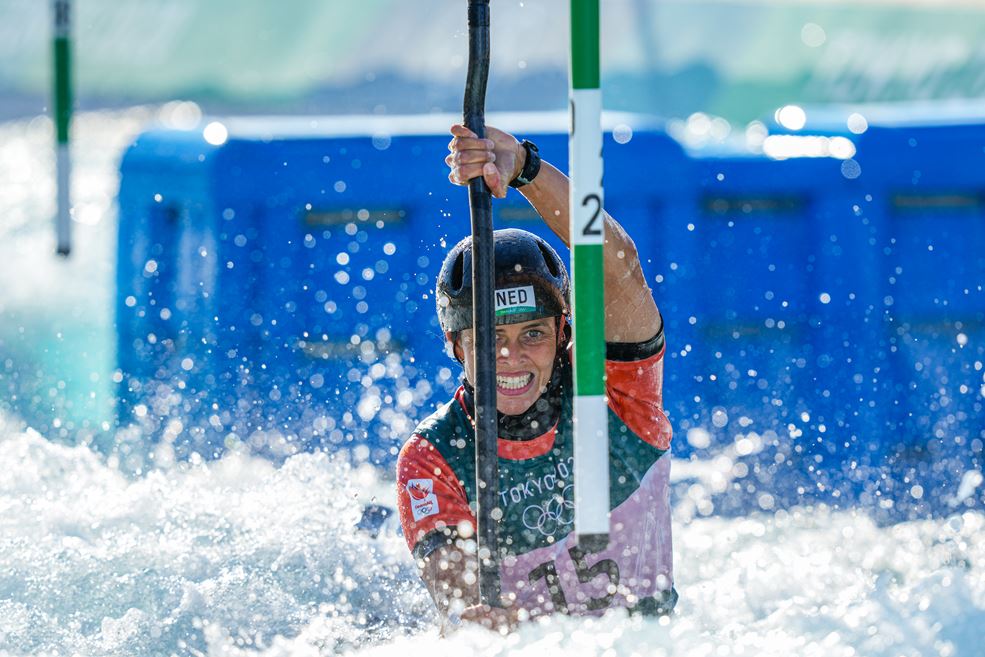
198	557
241	557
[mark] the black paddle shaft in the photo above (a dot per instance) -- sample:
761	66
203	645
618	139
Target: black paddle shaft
484	318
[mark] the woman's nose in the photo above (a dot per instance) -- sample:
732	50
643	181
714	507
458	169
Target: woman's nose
505	349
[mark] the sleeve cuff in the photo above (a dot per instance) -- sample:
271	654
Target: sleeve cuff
433	540
634	351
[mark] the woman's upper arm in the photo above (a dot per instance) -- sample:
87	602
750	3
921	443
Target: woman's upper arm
631	314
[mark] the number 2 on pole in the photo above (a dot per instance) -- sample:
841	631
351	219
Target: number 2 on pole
590	227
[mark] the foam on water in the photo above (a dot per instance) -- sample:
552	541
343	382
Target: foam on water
241	557
197	557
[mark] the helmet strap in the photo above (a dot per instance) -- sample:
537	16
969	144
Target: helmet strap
451	338
563	331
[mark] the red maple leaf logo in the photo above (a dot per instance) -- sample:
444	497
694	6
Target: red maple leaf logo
418	490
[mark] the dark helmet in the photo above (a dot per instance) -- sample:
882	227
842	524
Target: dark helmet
531	281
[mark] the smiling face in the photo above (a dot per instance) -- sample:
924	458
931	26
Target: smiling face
524	362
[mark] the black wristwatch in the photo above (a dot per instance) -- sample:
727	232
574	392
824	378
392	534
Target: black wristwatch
530	168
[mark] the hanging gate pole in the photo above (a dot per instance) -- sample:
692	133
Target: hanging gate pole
591	436
487	513
62	115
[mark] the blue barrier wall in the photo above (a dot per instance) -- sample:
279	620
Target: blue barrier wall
276	290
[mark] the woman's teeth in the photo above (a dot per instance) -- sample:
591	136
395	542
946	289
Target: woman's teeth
513	382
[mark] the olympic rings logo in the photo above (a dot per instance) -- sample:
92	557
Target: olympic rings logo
556	513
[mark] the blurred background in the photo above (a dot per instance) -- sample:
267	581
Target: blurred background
738	60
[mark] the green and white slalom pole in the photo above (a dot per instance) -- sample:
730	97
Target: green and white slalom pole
591	435
62	115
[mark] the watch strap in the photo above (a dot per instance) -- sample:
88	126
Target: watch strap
530	168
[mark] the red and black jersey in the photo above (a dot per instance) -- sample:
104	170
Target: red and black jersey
436	494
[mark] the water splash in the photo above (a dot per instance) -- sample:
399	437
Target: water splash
242	557
235	552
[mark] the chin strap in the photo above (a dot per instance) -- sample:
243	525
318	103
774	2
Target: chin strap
542	415
562	327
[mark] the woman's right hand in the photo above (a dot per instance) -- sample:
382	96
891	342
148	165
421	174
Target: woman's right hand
492	618
498	158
